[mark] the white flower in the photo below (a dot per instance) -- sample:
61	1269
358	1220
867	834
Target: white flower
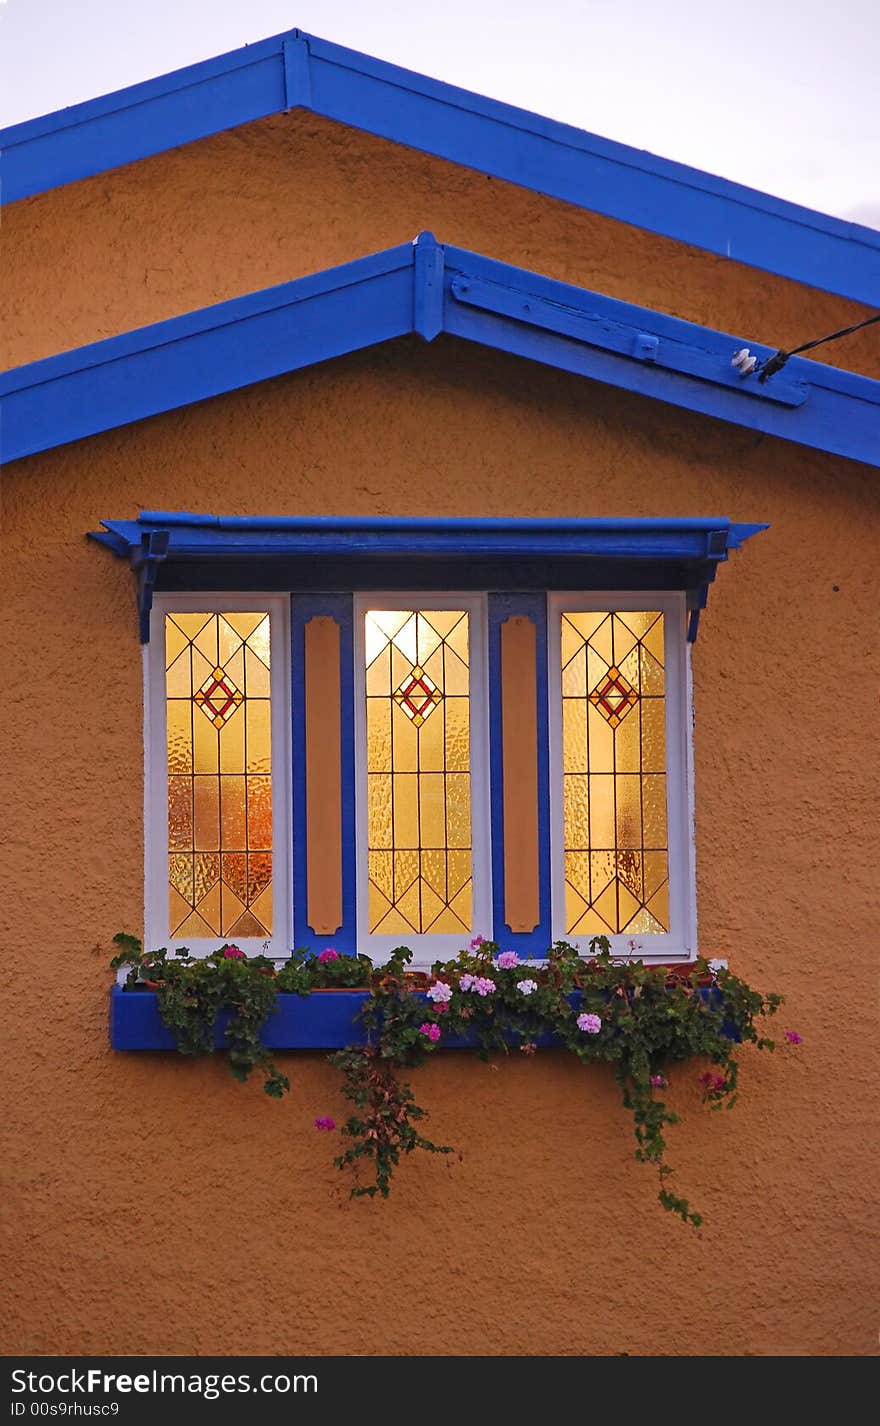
527	987
440	992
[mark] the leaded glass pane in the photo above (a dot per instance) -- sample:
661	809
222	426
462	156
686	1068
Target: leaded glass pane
219	765
418	771
614	773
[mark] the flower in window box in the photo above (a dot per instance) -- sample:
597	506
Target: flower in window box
507	960
440	993
478	984
589	1024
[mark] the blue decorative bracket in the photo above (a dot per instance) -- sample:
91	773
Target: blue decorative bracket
145	563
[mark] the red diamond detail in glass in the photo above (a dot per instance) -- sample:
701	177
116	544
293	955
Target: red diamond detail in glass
613	697
218	698
417	696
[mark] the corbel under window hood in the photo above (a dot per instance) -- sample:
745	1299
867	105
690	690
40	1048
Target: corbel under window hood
176	551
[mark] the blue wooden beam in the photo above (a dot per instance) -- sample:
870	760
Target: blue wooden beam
382	536
424	288
298	70
206	353
356	551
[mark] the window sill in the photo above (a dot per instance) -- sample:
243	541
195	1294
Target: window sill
323	1020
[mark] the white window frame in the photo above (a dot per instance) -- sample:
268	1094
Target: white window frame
680	943
156	929
427	948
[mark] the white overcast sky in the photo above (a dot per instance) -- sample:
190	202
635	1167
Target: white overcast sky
783	95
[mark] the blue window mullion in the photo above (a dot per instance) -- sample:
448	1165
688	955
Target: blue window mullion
340	608
502	606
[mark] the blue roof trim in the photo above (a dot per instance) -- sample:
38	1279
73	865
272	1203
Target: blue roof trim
674	553
425	288
384	535
298	70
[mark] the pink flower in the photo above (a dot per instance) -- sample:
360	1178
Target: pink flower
793	1037
659	1081
590	1024
439	992
507	960
467	981
328	955
327	1124
430	1032
232	953
477	942
441	1009
712	1083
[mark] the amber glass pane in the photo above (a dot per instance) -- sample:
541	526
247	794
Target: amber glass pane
219	766
614	773
418	771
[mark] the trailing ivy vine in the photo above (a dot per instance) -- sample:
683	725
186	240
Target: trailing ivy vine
640	1020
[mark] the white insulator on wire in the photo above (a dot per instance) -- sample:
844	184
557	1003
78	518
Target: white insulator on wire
744	361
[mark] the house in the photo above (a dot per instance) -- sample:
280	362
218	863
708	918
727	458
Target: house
370	452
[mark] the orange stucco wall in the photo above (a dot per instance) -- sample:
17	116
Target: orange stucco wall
156	1206
294	193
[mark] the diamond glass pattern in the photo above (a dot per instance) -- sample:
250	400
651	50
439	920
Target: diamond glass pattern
614	773
218	710
218	697
418	696
418	771
614	697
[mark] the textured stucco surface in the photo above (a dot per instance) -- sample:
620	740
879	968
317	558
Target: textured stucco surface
156	1206
294	193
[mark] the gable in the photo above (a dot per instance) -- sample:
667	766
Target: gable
293	194
297	70
425	288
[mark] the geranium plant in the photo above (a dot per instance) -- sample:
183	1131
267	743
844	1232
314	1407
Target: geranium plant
639	1020
193	992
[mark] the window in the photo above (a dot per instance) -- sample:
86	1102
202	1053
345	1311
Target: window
622	850
514	765
423	866
217	774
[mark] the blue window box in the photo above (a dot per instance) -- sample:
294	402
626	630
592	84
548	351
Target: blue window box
324	1020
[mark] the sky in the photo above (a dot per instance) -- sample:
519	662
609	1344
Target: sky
782	95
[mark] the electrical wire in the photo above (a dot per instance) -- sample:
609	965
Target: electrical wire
777	361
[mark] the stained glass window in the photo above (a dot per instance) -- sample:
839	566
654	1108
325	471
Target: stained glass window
614	773
217	699
418	771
